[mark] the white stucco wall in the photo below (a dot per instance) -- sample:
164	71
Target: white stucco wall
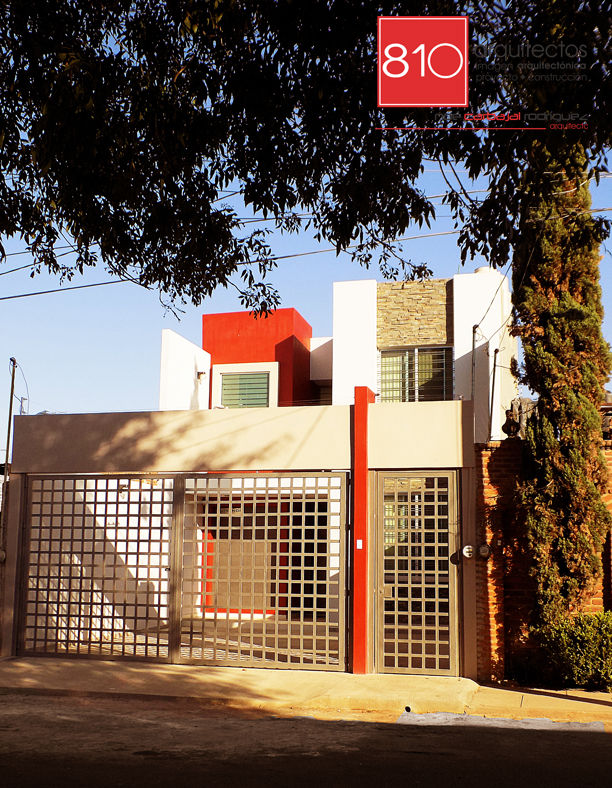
321	350
180	386
483	299
354	328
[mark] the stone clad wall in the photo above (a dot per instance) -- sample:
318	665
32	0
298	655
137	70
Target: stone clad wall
414	313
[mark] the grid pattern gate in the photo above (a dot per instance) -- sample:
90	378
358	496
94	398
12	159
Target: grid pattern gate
97	560
416	375
416	579
223	570
263	571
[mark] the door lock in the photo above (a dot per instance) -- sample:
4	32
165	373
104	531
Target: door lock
468	551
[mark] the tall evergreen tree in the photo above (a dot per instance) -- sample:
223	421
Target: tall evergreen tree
558	316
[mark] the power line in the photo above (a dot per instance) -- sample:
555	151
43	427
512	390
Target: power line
505	276
248	262
29	251
353	246
63	289
522	279
31	265
21	268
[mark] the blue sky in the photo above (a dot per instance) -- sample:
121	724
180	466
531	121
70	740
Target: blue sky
97	349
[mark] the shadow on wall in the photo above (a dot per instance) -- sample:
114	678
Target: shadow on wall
463	387
294	372
96	574
166	441
99	548
194	398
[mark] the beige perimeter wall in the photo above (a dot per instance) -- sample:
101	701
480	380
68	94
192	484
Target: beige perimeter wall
242	439
402	435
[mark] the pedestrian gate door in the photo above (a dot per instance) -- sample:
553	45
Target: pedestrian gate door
416	578
203	569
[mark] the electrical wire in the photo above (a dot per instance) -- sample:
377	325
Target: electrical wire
62	289
21	268
248	262
505	277
569	215
519	284
28	251
351	246
285	257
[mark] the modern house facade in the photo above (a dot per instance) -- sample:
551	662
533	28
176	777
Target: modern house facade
433	341
296	501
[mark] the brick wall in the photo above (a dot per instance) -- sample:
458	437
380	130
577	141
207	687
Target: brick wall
414	313
504	587
606	595
497	466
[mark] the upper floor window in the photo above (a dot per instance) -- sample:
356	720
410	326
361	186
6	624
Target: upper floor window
245	390
246	385
416	374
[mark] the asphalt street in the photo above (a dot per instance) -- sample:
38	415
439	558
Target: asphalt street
49	740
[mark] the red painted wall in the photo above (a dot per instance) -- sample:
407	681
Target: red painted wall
283	336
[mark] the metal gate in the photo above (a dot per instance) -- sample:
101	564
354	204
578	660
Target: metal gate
203	569
416	576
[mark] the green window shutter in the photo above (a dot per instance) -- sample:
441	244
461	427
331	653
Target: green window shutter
245	390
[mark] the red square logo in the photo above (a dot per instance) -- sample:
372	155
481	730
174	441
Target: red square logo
422	61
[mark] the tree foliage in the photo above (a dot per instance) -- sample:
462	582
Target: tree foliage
123	125
557	301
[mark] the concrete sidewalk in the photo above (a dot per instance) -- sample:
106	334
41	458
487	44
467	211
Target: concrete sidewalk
321	694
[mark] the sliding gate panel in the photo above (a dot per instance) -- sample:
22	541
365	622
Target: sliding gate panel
263	571
201	569
96	559
416	574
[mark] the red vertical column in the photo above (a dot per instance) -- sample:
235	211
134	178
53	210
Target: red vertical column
361	511
208	563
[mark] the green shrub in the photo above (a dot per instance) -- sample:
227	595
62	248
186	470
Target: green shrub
580	649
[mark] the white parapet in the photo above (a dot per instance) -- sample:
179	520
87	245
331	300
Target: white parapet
184	381
482	299
354	348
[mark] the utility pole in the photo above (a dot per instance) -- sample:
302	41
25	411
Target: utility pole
13	363
3	512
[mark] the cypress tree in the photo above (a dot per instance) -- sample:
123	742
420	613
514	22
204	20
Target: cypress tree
558	315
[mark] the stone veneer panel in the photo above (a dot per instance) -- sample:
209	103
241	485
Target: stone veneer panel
414	313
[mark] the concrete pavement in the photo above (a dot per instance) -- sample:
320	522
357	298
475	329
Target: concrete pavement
325	695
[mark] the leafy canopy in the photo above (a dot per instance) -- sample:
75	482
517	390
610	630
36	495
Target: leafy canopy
123	125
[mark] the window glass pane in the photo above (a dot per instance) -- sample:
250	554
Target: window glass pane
245	390
419	375
393	376
431	375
